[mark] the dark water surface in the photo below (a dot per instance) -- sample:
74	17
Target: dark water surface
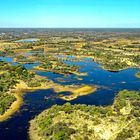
110	83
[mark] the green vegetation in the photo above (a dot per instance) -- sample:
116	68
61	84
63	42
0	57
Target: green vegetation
113	57
36	82
138	74
121	121
9	77
56	65
5	102
114	51
6	52
26	46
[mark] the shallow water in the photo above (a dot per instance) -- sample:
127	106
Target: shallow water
10	60
28	40
110	83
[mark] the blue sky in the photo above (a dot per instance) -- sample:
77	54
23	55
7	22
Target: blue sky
70	13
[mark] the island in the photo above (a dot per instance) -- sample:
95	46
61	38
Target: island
119	121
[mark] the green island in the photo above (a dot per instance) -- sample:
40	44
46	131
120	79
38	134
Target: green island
121	121
57	66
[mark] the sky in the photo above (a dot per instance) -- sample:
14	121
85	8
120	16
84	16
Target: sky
70	13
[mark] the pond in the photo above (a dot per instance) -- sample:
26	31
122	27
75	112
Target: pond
110	83
28	40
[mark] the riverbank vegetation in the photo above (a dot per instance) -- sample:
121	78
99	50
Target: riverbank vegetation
119	121
9	77
16	79
5	102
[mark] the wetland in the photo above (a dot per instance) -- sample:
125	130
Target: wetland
69	73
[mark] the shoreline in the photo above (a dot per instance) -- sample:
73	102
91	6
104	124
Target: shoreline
120	115
22	88
58	72
33	131
82	91
13	108
104	68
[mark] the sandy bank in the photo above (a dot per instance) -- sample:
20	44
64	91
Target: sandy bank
82	91
22	87
14	107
